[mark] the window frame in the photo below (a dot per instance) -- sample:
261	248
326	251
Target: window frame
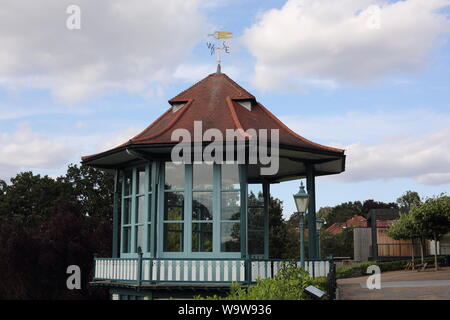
147	219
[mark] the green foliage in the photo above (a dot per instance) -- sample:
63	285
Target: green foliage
433	217
48	224
289	284
360	269
408	200
405	228
29	198
338	245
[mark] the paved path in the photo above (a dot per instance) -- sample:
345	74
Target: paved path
399	285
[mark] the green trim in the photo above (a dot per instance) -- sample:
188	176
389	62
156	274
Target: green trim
311	188
266	195
116	217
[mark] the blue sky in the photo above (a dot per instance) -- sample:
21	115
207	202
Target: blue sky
381	91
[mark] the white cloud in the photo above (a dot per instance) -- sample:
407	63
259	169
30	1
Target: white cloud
380	145
110	141
367	127
121	45
25	149
425	159
332	41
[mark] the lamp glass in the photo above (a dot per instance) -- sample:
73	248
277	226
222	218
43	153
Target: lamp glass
319	223
301	199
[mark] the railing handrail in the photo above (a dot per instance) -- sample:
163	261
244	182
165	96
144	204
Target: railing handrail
219	270
212	259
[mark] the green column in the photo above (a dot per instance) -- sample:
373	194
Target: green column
116	217
266	193
312	233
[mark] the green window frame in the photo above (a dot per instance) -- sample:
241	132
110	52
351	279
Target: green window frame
136	213
174	211
200	226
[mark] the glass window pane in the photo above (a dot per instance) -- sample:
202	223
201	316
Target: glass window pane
173	237
255	218
231	205
140	180
128	182
230	176
255	195
140	209
174	176
126	239
230	237
173	206
139	238
256	242
202	206
202	176
127	211
202	237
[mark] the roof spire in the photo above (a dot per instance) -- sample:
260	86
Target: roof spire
217	48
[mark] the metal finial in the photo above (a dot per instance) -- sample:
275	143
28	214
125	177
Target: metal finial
219	69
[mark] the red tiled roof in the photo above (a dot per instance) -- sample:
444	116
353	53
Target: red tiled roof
214	101
355	221
335	228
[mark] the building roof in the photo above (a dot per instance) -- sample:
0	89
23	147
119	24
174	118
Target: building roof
220	103
355	221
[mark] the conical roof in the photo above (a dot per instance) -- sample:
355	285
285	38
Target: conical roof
220	103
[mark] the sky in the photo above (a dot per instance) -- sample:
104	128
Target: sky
369	76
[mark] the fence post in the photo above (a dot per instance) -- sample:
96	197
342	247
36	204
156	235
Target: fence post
139	267
331	279
94	266
248	270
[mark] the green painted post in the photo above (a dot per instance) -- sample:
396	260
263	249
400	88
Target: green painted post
311	188
139	267
116	217
266	193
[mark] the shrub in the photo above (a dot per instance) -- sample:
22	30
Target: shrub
289	284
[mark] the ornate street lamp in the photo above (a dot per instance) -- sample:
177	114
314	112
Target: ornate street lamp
301	199
320	222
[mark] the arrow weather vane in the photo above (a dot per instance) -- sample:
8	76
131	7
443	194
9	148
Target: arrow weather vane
217	48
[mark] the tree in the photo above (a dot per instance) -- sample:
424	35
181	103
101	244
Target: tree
48	224
344	211
338	245
406	228
279	235
91	188
408	200
29	198
325	213
433	218
372	204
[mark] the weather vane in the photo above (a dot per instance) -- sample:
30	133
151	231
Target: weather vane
216	47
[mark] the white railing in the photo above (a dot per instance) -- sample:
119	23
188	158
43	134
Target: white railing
170	270
269	268
196	270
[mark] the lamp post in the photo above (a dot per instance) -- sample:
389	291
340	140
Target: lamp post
301	199
319	224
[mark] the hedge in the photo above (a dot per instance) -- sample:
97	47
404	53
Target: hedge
360	269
